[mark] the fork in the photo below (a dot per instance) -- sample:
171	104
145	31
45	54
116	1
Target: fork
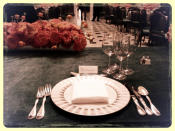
39	94
47	91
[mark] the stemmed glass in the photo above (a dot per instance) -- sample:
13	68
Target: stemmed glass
12	18
116	39
108	49
131	48
17	17
23	17
120	49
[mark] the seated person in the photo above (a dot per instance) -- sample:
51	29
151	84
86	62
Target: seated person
158	27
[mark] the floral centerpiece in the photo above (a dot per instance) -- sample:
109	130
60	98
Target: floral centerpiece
53	33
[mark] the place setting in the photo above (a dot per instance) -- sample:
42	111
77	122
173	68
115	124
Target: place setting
88	93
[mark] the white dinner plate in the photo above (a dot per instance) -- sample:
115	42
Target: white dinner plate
119	97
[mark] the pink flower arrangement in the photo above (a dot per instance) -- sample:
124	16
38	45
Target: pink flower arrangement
44	34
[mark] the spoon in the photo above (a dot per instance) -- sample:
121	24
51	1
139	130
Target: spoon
143	91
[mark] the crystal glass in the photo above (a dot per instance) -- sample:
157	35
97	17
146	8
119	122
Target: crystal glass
116	39
132	48
129	52
121	48
108	49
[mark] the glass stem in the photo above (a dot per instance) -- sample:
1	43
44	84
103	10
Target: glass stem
109	62
120	69
126	62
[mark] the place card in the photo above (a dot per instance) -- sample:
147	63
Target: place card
88	69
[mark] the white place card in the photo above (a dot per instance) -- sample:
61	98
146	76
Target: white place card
88	69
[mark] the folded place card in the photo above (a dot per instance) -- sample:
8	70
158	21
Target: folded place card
89	91
88	69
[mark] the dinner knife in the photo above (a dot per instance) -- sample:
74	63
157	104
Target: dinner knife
147	109
140	110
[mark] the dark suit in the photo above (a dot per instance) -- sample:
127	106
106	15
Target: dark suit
97	10
52	13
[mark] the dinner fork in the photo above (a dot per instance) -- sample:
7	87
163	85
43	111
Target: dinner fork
47	91
39	94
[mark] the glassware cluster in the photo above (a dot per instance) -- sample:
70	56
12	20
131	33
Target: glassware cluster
122	44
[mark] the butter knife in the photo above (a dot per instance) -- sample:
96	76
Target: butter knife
147	109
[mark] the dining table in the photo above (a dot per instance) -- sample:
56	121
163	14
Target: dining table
26	69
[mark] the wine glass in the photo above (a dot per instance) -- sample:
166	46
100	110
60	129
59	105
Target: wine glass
120	50
132	48
17	17
129	52
23	17
12	18
107	47
116	39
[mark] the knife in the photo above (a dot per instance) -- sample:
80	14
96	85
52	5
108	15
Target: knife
140	110
147	109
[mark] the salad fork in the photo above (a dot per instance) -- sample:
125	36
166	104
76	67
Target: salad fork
46	91
39	94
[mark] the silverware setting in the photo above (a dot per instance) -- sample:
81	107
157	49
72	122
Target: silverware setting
42	92
147	109
142	91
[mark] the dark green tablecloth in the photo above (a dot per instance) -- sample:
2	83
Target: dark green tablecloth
26	70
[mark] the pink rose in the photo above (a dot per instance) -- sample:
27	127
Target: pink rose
12	41
41	39
79	43
55	37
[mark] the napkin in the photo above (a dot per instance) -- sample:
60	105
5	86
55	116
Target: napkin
89	91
